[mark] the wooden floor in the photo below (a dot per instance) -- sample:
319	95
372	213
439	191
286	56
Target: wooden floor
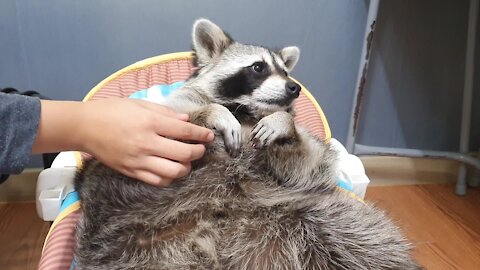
444	227
21	236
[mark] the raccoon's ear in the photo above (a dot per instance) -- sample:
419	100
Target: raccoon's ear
290	56
209	40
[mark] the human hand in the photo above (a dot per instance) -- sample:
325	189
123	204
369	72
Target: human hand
138	139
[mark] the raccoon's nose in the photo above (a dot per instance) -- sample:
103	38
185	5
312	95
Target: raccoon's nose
293	88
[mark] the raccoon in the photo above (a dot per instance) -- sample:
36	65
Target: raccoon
264	195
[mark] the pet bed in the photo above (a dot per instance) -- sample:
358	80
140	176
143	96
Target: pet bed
56	199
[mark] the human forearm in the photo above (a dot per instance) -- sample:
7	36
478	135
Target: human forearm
61	127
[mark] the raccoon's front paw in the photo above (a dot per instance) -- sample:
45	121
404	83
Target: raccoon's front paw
223	121
231	132
278	125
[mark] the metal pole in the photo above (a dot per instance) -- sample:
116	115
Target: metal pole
362	73
461	187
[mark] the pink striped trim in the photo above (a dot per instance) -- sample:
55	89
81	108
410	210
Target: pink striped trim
58	252
308	116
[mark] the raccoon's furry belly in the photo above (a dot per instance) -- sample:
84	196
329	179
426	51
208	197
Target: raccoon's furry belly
230	213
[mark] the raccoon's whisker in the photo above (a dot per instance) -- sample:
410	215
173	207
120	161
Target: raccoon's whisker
238	107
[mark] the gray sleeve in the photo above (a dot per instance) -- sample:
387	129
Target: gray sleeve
19	119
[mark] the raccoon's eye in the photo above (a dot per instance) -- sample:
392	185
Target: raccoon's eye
258	67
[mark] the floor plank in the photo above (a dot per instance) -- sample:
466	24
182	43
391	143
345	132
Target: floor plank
21	236
444	227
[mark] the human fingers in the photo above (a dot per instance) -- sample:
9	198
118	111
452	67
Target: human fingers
176	150
166	169
151	178
181	130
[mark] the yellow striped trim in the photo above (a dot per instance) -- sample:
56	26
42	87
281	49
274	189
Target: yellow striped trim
351	194
67	211
78	159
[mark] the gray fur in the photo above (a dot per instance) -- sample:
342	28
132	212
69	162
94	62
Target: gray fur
263	197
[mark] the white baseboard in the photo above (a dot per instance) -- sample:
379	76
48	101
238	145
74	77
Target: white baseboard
20	188
384	170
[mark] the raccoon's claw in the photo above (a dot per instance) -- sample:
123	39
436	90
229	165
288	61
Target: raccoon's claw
270	128
232	139
222	121
261	136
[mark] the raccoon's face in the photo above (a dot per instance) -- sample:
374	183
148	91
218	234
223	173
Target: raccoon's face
247	76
